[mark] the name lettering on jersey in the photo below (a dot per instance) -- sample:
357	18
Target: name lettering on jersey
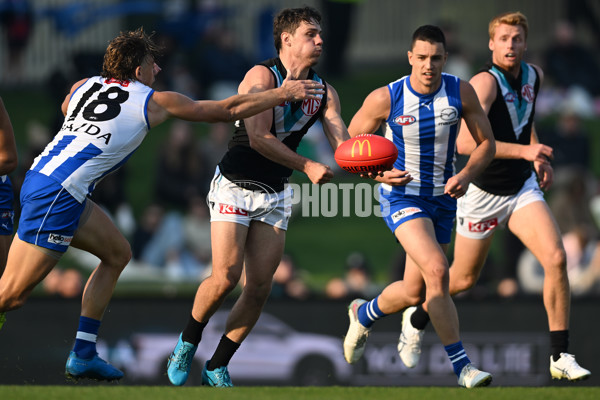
57	238
311	106
405	120
231	210
90	129
528	93
405	212
483	226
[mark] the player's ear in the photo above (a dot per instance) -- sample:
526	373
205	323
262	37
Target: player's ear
138	73
491	45
409	54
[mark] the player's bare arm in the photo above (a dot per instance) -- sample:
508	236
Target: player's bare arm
485	87
368	119
259	79
172	104
478	126
334	127
8	148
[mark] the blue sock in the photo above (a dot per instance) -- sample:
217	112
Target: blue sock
458	356
369	312
85	341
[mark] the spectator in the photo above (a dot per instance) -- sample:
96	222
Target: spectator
181	171
569	63
287	282
357	281
17	18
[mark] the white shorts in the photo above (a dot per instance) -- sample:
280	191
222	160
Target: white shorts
479	213
231	203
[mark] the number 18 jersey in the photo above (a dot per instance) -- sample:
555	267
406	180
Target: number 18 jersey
106	121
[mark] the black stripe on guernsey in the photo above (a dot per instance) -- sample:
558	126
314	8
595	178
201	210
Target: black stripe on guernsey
503	176
290	124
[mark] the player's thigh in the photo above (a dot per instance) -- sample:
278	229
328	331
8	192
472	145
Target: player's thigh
4	246
228	242
537	229
26	266
264	248
417	237
99	236
469	256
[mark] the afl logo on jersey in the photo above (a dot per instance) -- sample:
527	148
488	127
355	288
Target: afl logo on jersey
404	120
310	107
528	93
509	97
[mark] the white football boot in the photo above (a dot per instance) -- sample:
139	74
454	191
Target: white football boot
567	368
471	377
410	340
356	338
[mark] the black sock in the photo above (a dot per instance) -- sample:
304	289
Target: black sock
193	331
559	342
223	353
419	319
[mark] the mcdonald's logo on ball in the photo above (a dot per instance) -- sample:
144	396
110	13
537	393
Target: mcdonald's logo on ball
366	153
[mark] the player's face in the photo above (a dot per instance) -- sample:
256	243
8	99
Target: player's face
306	42
508	46
427	60
147	71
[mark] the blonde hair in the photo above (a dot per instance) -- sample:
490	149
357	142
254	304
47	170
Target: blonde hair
509	18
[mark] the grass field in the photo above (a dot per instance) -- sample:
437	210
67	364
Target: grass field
294	393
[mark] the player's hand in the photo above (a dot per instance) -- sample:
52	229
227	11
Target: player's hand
301	90
456	186
538	152
394	177
545	174
318	173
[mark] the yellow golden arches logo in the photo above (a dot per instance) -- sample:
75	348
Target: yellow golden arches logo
361	145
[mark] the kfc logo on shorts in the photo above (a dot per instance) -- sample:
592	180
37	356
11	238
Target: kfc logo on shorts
483	226
6	215
311	106
56	238
405	212
232	210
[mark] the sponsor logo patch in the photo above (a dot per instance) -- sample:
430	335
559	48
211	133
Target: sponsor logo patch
231	210
483	226
405	120
57	238
405	212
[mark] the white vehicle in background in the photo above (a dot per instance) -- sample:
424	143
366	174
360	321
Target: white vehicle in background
273	353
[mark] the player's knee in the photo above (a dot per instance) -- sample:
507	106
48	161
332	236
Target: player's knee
258	291
556	260
120	257
11	300
463	283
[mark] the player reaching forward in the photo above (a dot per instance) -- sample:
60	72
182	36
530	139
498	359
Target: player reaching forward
507	193
106	119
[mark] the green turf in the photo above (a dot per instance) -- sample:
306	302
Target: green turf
293	393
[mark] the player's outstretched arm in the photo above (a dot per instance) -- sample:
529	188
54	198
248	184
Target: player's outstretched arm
8	148
172	104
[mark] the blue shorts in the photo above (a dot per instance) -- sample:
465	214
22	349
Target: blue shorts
441	210
49	214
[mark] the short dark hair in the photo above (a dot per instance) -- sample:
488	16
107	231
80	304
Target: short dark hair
289	19
429	33
126	52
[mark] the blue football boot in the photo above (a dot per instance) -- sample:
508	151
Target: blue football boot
217	378
180	362
93	368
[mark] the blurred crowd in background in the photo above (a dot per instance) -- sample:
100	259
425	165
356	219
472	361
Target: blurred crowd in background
203	60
